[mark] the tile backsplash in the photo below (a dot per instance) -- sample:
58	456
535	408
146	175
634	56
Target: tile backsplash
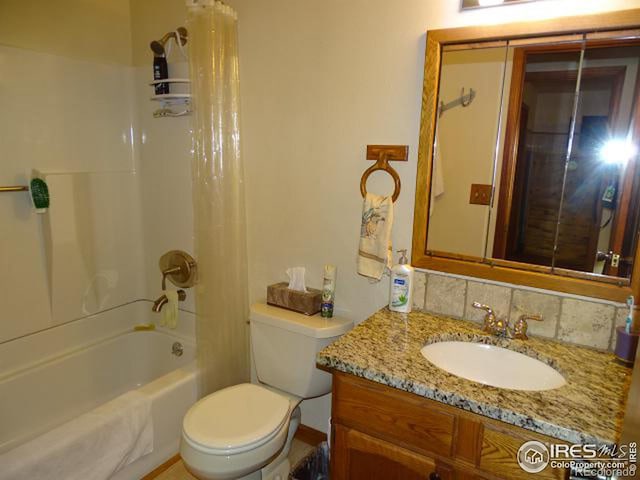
568	318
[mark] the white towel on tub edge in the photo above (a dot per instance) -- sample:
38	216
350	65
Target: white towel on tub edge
93	446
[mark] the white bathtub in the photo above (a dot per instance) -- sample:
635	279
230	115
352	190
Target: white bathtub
37	394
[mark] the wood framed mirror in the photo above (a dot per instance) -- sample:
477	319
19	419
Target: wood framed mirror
528	167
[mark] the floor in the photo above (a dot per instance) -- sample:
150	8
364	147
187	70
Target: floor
177	471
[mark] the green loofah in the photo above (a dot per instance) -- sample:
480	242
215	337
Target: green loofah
39	194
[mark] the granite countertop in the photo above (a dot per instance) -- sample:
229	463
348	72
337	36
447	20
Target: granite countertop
385	348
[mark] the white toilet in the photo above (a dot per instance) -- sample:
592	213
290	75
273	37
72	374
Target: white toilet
245	431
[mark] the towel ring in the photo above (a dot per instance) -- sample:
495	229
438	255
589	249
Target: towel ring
381	164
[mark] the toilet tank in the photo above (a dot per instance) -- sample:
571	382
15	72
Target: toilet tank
284	346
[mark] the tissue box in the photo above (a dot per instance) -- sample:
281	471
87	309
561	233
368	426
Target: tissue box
308	302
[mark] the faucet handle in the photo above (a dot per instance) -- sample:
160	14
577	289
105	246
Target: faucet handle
521	326
484	307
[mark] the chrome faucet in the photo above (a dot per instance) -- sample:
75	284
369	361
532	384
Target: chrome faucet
500	326
163	300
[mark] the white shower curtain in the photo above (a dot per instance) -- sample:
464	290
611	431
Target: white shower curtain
218	197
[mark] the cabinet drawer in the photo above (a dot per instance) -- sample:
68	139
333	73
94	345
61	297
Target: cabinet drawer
499	457
402	418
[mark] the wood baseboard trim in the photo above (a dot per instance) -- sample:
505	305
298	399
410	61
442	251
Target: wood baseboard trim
162	468
310	435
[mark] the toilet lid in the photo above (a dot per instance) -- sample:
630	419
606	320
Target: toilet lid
244	415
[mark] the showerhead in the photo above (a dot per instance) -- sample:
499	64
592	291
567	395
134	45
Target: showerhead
157	48
180	35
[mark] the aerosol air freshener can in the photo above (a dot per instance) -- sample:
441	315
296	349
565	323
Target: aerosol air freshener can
328	291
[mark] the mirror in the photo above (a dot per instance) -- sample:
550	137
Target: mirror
553	191
529	156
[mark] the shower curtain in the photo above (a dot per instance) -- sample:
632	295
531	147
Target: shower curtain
222	311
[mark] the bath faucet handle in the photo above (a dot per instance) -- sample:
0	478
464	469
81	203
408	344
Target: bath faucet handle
489	318
521	326
166	273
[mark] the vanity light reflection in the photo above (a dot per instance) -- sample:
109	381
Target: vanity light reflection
617	152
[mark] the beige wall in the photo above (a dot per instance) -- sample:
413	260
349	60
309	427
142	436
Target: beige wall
151	19
319	81
89	29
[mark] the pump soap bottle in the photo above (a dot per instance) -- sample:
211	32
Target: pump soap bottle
401	287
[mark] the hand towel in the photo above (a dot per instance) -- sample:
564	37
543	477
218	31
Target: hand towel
93	446
374	254
170	310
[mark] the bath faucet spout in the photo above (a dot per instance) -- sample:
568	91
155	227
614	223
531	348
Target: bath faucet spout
163	300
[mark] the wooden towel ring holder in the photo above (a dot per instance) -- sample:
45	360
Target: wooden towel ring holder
383	154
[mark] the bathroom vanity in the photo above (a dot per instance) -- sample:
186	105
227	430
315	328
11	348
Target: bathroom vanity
397	415
382	433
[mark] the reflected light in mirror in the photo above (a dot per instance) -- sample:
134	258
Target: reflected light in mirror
489	3
617	152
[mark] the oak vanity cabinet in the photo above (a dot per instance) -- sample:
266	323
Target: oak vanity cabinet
381	433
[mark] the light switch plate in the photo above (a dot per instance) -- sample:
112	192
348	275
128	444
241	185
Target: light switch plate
480	194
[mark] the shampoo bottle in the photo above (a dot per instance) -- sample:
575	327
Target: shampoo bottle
401	288
160	72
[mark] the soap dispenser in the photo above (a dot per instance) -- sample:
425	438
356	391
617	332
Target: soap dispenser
401	288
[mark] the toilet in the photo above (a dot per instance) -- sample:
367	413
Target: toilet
245	431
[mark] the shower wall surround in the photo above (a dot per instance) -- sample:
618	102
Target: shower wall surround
84	255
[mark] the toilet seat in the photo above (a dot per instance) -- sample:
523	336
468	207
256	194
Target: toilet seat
235	419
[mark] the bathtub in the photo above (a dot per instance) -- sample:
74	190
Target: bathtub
39	392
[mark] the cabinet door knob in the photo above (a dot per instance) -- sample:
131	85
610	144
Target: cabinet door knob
434	476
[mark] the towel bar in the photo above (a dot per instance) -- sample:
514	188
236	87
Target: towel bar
16	188
383	154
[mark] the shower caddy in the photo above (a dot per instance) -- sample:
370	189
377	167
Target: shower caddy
169	101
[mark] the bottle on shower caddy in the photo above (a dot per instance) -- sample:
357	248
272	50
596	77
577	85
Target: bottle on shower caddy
160	72
401	285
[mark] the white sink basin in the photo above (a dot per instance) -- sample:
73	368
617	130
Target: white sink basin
493	366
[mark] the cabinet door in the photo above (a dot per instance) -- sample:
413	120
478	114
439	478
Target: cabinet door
499	456
357	456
